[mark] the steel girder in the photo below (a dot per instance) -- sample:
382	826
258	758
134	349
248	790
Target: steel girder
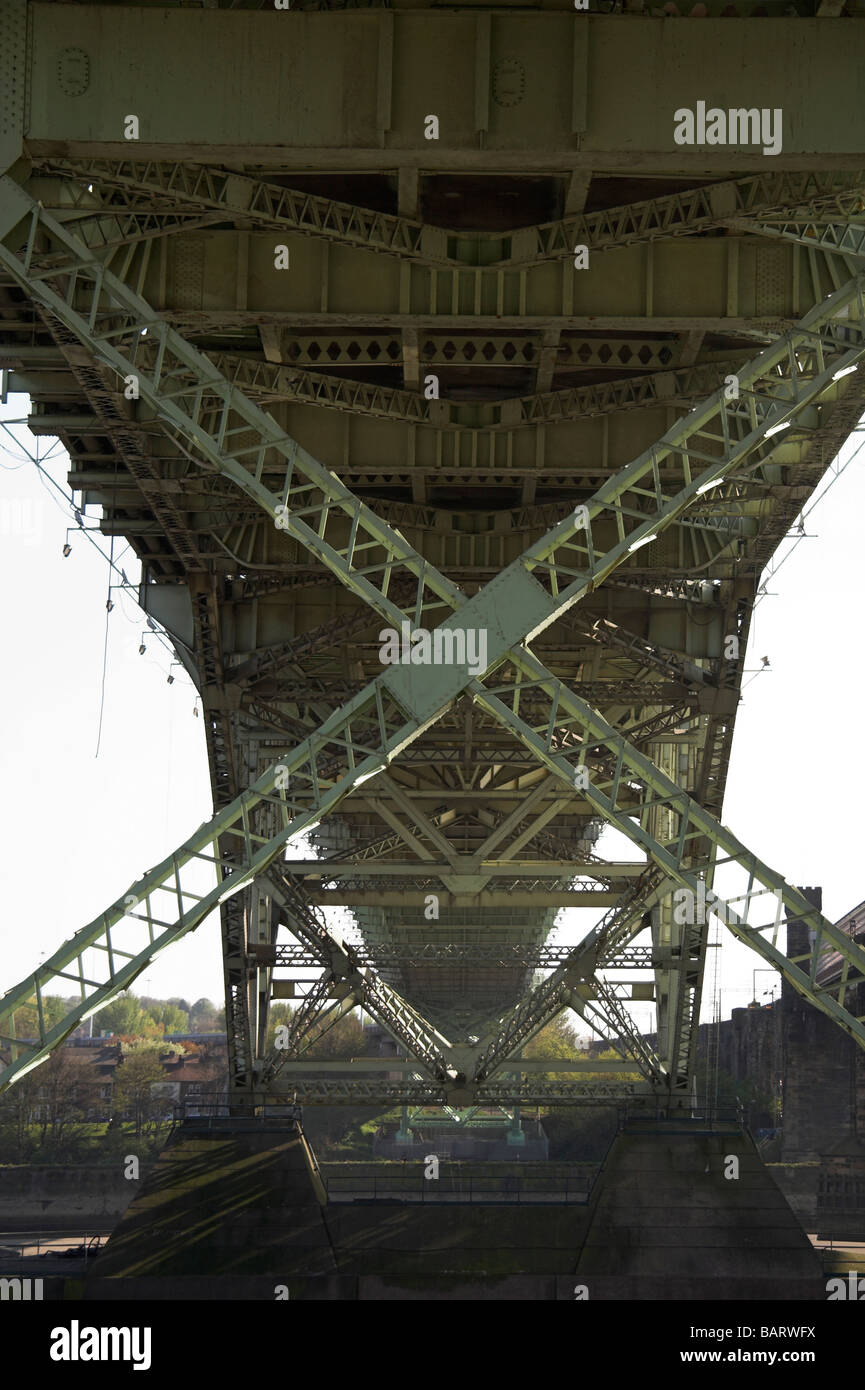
225	782
833	332
469	293
264	665
269	382
447	954
383	58
354	986
245	536
648	654
441	1061
309	1089
441	349
603	692
845	239
204	188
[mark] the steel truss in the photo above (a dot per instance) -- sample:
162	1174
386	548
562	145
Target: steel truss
311	1090
186	188
453	953
269	382
845	239
708	452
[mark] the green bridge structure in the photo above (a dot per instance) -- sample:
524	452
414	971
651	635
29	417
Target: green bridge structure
366	322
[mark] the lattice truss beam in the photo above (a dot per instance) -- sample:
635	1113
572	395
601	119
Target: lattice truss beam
698	465
119	201
477	446
481	446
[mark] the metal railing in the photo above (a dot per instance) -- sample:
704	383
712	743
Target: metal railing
662	1112
522	1190
210	1107
841	1257
49	1245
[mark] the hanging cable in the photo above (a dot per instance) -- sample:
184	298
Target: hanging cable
803	515
108	608
714	1047
67	506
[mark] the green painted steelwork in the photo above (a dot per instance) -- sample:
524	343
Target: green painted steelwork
186	188
318	89
701	450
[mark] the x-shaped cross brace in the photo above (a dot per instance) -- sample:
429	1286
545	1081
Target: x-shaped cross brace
223	431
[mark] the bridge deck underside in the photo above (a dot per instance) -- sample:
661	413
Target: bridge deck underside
473	399
289	644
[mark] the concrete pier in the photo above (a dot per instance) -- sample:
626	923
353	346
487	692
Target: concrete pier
685	1210
237	1210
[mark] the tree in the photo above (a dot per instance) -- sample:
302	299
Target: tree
555	1039
27	1017
123	1015
168	1017
133	1080
205	1017
158	1046
16	1109
582	1132
278	1015
344	1039
60	1097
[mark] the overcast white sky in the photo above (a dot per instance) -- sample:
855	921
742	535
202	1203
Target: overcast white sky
77	830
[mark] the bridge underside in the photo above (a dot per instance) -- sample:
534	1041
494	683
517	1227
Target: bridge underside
584	380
